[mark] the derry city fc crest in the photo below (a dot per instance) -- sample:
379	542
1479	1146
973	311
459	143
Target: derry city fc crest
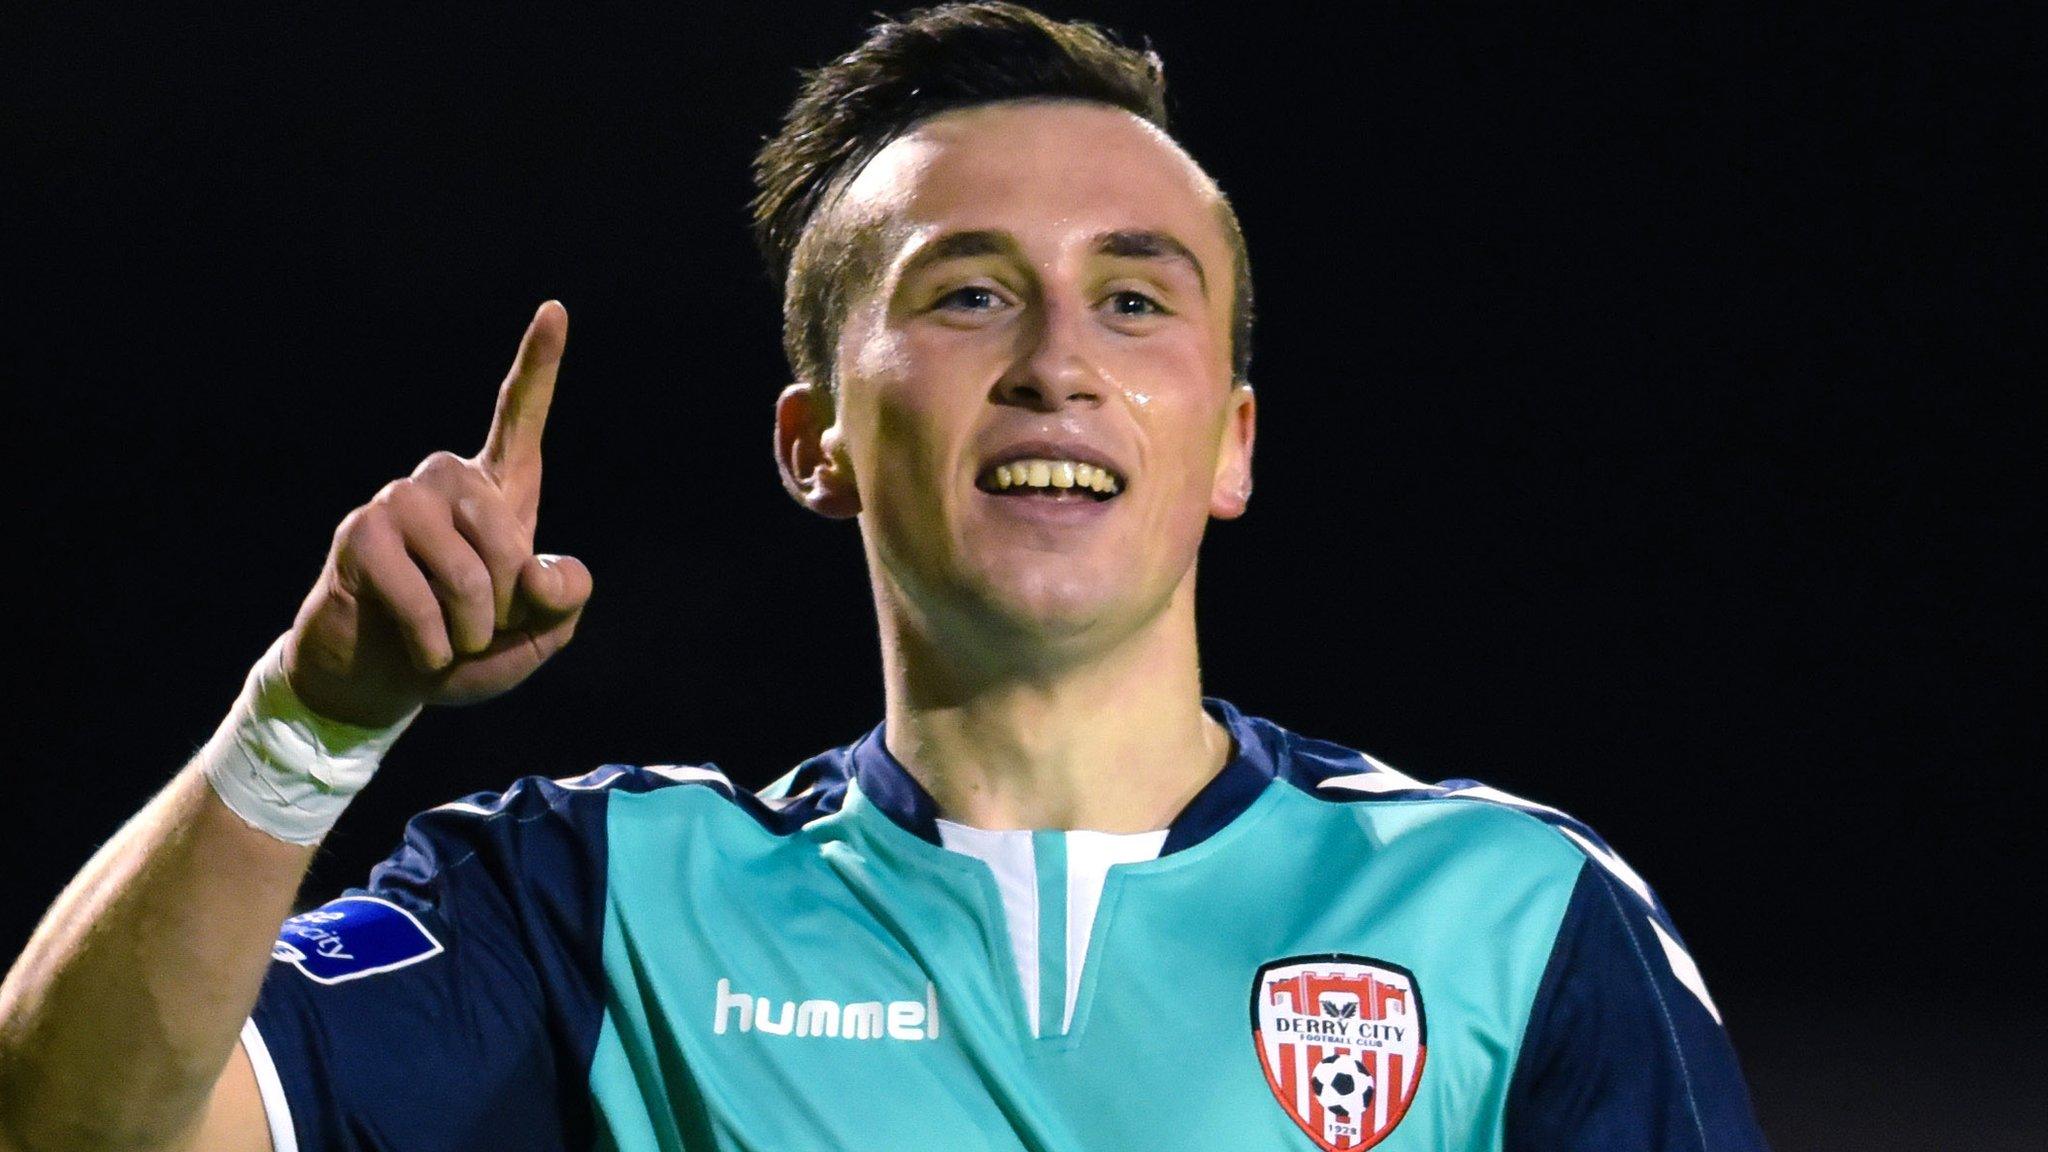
1341	1040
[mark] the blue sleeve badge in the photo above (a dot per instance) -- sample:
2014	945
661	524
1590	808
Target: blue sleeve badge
352	937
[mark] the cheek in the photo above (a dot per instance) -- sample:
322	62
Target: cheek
909	445
910	436
926	386
1184	432
881	407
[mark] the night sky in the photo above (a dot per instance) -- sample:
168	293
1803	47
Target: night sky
1643	403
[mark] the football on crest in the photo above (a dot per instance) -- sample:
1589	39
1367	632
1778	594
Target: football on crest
1342	1086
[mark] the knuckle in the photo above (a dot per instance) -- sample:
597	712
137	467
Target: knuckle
477	510
360	527
471	581
393	494
414	500
351	526
499	535
508	551
439	464
447	473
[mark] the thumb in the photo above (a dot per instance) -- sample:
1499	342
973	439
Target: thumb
557	585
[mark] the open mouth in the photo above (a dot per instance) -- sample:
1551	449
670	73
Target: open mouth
1049	478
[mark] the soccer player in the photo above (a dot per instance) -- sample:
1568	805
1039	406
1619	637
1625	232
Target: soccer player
1055	901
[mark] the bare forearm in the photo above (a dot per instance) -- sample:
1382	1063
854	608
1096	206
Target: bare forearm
119	1016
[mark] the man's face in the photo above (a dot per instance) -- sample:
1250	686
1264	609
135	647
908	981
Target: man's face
1054	298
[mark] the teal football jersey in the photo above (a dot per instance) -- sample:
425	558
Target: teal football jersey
1320	952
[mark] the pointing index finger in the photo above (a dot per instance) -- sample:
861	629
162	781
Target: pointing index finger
512	449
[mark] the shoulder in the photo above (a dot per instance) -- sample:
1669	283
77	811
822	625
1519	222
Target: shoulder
572	799
1466	822
535	813
555	831
1457	815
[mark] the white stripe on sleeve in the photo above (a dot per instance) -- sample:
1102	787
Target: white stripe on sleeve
276	1111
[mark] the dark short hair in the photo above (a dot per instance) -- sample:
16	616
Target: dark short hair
930	61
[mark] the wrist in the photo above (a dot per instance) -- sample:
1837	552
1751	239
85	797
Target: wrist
284	768
336	695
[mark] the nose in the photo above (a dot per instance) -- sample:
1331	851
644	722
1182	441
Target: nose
1052	367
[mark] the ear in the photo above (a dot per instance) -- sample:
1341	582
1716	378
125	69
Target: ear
1233	487
809	454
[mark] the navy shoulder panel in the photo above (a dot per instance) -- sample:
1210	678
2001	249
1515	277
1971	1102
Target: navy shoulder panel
454	1002
1623	1048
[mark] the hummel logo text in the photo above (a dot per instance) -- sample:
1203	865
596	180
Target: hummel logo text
864	1020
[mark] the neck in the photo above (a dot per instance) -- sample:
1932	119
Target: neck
1115	741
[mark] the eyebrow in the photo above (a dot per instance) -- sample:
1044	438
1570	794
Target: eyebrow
1149	245
1141	244
960	246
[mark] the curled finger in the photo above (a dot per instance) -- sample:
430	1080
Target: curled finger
374	565
460	578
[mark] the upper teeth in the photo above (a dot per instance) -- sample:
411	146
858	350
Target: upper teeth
1054	474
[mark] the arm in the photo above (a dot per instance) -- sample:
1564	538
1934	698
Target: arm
118	1023
115	1022
1624	1049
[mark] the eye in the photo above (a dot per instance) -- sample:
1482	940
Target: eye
1129	303
973	298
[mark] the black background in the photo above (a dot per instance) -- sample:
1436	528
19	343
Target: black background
1644	396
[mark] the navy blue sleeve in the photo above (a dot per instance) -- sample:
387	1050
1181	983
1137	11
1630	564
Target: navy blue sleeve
455	1001
1623	1049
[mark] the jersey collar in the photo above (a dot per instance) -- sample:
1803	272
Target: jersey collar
898	795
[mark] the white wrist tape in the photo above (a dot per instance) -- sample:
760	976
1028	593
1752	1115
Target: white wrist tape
281	768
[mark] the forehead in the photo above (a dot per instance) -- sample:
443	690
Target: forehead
1042	170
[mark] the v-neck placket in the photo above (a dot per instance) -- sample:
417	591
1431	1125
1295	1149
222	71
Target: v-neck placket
1050	883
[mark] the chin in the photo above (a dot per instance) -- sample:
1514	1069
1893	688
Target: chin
1055	607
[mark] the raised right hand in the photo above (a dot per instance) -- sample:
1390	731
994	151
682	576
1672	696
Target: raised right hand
432	593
